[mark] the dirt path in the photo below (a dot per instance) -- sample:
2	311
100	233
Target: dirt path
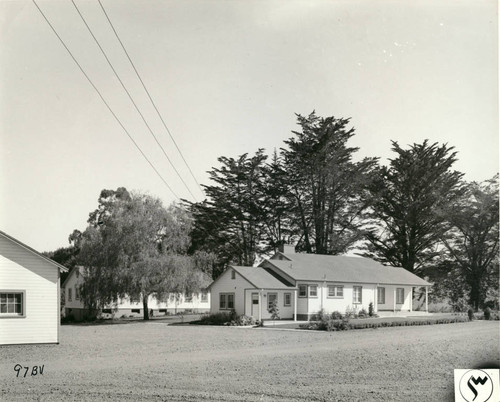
153	361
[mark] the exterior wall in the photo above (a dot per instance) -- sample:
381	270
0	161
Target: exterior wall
22	270
307	306
390	295
225	284
175	304
285	312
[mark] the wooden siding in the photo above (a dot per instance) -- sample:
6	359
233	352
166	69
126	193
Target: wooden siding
225	284
21	269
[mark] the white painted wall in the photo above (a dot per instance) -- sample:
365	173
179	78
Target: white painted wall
390	297
225	284
21	269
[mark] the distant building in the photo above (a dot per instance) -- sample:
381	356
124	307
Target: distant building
29	294
303	284
198	302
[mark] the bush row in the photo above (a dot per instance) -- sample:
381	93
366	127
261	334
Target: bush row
329	324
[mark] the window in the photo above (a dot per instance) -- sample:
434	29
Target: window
335	291
233	274
162	310
12	304
288	300
189	298
171	297
226	301
204	296
70	294
356	294
381	295
271	298
77	293
302	290
313	290
400	295
136	310
105	310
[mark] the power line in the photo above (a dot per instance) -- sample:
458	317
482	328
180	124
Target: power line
131	99
104	100
149	95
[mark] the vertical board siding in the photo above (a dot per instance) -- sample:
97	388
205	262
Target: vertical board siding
21	269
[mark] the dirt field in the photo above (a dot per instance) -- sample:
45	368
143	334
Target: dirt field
155	361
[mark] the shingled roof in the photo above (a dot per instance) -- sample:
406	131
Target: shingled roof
316	267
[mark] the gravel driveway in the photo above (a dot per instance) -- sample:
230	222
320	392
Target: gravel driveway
155	361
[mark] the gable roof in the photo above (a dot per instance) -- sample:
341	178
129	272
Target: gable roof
259	278
333	268
33	251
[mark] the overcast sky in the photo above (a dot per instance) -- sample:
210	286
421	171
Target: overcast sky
228	78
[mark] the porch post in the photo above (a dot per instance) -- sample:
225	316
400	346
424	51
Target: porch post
394	300
295	305
411	299
375	299
260	306
426	303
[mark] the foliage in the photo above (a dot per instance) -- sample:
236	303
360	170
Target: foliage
336	315
136	247
229	222
487	313
470	313
242	320
343	325
370	309
408	199
218	318
327	189
472	242
362	313
274	310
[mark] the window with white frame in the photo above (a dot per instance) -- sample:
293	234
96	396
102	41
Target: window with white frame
357	294
335	291
287	300
400	295
226	301
381	295
302	290
271	298
233	274
313	290
12	304
70	294
77	293
188	298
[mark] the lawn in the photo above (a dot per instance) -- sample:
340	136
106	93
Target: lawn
155	361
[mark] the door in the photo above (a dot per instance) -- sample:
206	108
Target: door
255	305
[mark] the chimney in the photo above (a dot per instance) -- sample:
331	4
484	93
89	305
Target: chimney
286	248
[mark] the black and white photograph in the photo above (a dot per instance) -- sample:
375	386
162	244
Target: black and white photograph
249	200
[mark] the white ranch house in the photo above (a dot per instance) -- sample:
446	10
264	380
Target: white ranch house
304	284
177	303
29	294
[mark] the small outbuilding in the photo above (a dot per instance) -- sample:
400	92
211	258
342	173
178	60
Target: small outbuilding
29	294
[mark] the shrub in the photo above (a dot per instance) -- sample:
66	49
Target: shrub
319	316
242	320
470	313
370	309
362	313
336	315
487	313
67	318
218	318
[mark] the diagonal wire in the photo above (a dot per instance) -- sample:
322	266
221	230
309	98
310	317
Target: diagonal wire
149	95
131	99
104	100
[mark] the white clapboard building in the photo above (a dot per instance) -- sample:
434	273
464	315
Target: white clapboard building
29	294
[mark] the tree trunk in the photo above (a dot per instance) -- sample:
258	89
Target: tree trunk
145	307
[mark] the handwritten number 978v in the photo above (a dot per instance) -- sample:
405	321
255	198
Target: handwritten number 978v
35	370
